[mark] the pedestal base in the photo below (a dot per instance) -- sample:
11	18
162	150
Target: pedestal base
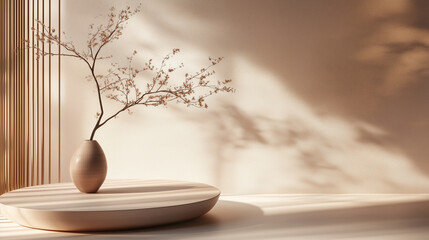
119	204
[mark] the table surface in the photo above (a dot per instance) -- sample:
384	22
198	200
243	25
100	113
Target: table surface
114	195
118	205
280	216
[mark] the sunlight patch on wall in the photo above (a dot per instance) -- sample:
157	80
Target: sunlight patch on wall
272	141
263	138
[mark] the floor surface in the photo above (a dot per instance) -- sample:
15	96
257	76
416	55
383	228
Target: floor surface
287	216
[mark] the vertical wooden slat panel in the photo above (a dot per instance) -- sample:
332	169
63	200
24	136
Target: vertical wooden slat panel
9	84
27	157
13	56
4	108
6	95
43	103
16	97
2	140
10	81
12	95
1	98
18	94
37	99
20	149
13	122
59	92
5	117
9	112
15	91
20	100
24	106
2	151
2	111
50	99
32	101
6	87
9	96
17	70
12	91
3	58
21	96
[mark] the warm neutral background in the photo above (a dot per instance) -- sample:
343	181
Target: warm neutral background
331	95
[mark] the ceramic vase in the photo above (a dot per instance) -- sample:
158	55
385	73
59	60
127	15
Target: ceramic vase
88	167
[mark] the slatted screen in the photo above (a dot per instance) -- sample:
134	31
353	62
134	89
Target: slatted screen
29	131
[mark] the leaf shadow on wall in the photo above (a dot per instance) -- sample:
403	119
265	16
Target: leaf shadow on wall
360	62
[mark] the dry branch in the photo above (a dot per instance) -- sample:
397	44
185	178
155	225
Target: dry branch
120	83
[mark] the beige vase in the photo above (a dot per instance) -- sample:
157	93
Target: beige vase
88	167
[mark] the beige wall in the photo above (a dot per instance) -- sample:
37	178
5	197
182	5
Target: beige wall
331	95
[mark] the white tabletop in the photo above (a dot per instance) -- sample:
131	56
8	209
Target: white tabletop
114	195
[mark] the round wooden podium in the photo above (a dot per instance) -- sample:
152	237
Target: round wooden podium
119	204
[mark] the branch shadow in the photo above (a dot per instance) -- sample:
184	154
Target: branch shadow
318	58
